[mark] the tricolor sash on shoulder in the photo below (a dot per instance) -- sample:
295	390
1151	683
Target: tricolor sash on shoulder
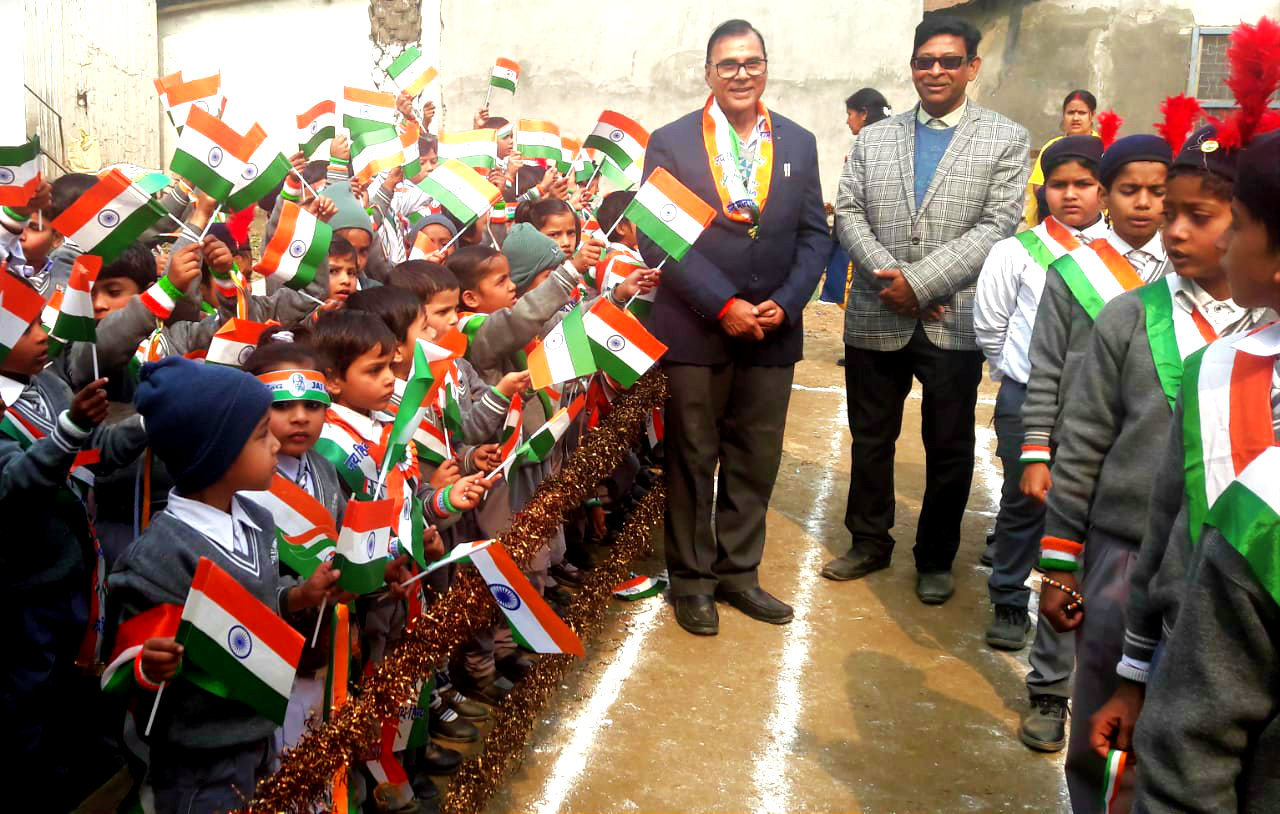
1248	515
1048	241
1226	402
1172	333
1096	274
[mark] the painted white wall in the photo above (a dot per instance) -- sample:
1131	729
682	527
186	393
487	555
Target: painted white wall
645	59
277	57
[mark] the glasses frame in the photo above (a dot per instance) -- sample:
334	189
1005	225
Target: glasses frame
719	67
964	60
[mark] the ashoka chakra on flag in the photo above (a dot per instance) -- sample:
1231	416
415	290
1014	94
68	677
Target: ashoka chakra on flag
505	597
250	172
215	156
297	248
6	176
108	218
239	642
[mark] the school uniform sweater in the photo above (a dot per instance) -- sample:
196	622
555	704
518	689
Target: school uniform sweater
1209	734
1118	405
1058	343
158	569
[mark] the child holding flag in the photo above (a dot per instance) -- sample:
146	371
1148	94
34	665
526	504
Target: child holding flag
53	570
208	744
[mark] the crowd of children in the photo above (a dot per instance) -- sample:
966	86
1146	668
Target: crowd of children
173	459
1129	330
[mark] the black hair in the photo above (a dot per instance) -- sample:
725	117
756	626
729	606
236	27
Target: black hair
1211	183
424	278
494	123
529	176
428	143
398	307
938	24
734	28
1257	186
469	264
612	207
66	190
315	171
339	246
346	335
1083	95
871	102
136	263
544	209
275	354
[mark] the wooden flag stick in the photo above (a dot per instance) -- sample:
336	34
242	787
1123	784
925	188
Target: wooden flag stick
154	706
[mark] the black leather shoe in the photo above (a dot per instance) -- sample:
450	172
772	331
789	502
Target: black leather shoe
854	565
515	666
697	614
436	760
935	587
759	604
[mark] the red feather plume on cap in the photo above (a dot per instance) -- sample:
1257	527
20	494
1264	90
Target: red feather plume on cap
1180	113
1254	54
1109	123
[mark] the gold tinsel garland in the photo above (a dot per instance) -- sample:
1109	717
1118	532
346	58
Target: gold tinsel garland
307	770
479	776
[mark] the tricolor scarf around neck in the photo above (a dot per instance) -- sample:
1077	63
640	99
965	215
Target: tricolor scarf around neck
1172	333
1096	274
742	196
1226	423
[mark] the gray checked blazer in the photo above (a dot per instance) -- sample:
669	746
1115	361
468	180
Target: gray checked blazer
975	199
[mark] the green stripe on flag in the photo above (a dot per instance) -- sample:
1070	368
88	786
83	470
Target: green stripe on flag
127	231
610	148
659	232
1075	278
1252	527
577	343
361	577
1157	301
20	154
200	174
322	135
332	452
451	203
316	254
400	63
616	176
1193	447
540	151
230	674
303	559
357	126
502	82
267	179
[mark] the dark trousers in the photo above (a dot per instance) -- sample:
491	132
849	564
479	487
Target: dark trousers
731	415
878	383
211	781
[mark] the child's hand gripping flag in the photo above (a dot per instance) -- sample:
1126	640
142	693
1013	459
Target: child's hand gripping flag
112	214
124	666
364	544
669	214
533	623
178	96
564	354
316	126
250	652
620	345
306	534
297	248
19	173
460	190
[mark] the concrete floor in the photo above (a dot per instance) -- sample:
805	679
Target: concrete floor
869	701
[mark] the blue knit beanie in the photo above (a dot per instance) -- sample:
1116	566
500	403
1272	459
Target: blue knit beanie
198	417
1141	147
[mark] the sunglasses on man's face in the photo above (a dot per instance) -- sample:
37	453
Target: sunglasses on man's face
949	63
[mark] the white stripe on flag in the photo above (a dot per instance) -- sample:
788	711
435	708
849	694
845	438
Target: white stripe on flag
665	210
117	210
1259	477
217	623
1215	418
1103	281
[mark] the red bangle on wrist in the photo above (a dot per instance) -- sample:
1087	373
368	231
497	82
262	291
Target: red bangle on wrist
726	307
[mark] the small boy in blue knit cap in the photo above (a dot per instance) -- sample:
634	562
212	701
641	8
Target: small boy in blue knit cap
209	425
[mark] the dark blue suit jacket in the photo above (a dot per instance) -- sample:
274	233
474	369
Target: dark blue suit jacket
784	264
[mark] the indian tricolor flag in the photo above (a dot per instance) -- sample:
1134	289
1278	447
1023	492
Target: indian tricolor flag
431	443
616	270
569	149
111	216
75	322
263	172
543	440
306	534
298	246
621	346
619	138
538	139
179	96
475	148
564	354
363	545
506	73
411	72
227	632
669	214
365	110
316	126
19	172
210	154
234	341
533	624
413	409
512	430
460	190
160	621
377	151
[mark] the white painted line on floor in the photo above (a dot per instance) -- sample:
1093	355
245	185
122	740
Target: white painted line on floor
593	715
771	777
988	469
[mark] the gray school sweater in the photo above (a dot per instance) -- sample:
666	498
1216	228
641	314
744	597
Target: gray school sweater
157	569
1209	735
1058	343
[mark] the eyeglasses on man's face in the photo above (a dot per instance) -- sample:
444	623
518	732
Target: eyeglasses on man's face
949	63
729	68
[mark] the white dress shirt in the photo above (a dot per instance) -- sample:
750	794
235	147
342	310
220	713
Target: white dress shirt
1224	316
1150	260
233	533
1006	300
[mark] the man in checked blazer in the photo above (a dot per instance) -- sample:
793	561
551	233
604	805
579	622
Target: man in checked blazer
923	197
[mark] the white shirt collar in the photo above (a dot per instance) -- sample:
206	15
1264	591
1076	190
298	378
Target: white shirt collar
10	390
948	121
289	466
1153	247
370	429
748	143
215	524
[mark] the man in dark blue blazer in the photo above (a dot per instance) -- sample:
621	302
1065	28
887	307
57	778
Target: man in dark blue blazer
730	313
